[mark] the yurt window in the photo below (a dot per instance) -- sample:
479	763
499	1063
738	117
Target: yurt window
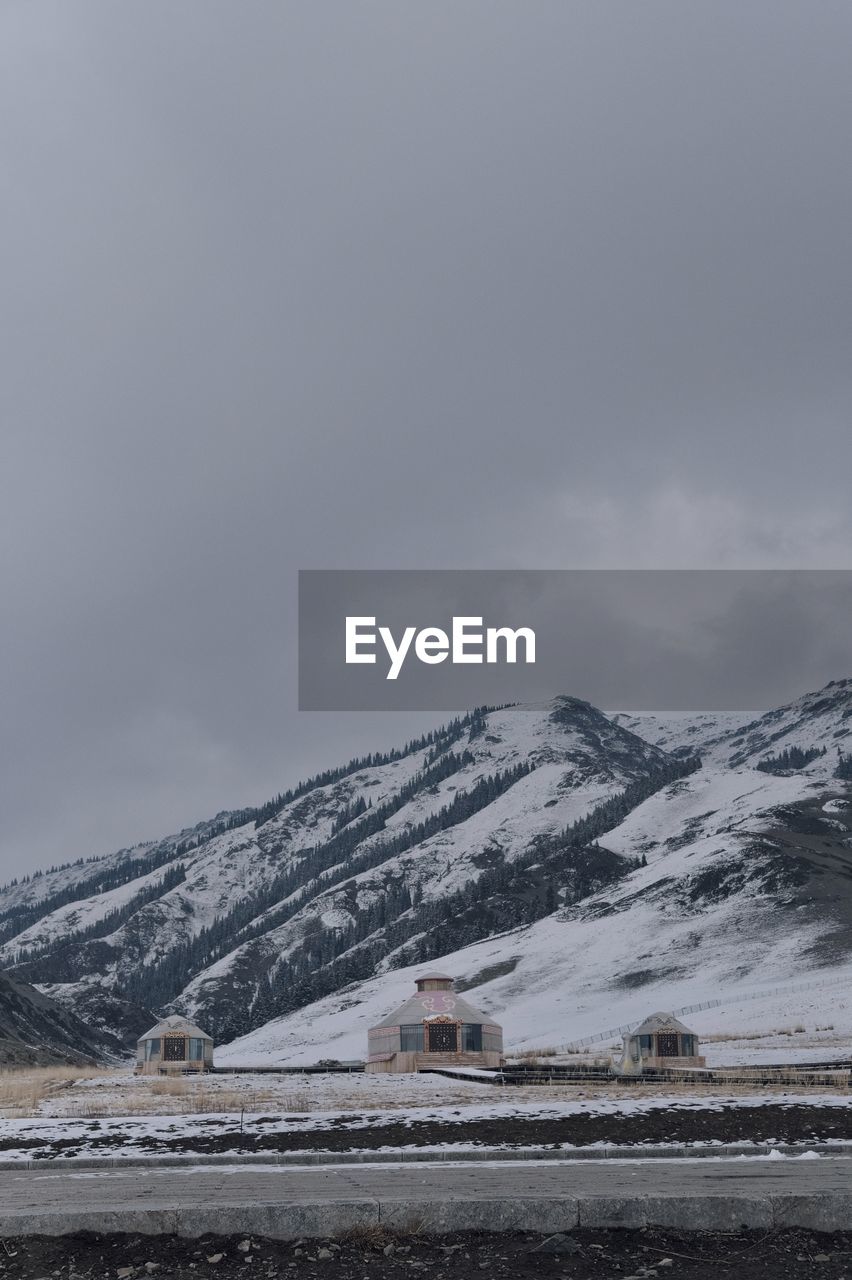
196	1048
646	1044
152	1049
471	1037
688	1046
411	1038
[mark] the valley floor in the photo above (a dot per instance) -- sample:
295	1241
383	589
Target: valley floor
89	1094
116	1114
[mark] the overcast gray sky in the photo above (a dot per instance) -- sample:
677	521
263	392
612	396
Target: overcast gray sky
541	284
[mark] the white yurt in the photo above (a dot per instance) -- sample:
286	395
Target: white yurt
173	1046
434	1027
660	1041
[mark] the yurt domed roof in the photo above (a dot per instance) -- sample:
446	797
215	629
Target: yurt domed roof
435	1004
175	1024
660	1022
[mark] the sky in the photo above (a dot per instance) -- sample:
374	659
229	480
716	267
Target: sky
371	285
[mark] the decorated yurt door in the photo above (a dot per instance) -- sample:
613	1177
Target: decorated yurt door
173	1049
667	1044
443	1037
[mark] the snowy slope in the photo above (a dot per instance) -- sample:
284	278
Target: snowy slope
748	884
565	981
577	766
684	731
288	929
35	1030
816	720
571	976
245	906
73	917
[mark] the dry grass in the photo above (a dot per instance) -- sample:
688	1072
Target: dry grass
375	1235
800	1080
532	1057
22	1090
92	1093
77	1093
367	1235
719	1037
187	1097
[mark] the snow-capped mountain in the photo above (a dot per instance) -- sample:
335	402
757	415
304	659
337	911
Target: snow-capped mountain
547	848
35	1030
816	721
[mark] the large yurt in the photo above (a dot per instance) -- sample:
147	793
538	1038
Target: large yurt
174	1045
435	1027
660	1041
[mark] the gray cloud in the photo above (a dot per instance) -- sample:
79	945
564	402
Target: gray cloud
378	285
632	640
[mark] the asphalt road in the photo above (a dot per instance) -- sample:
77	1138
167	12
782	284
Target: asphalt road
288	1202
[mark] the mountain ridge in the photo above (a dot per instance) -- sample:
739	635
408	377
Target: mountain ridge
504	819
36	1030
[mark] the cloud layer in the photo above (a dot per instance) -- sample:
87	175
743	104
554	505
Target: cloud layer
375	286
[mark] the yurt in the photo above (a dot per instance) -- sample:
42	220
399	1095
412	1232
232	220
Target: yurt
659	1041
174	1045
435	1027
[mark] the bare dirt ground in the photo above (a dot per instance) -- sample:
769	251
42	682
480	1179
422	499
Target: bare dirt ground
52	1114
582	1255
767	1122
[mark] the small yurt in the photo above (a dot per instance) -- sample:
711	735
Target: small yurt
659	1041
435	1027
174	1045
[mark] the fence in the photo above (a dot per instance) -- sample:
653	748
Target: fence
786	1078
614	1032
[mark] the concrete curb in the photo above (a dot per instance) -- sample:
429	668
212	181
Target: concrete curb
498	1213
414	1155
